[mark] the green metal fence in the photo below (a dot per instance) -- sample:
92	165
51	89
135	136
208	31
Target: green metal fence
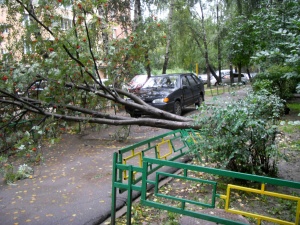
128	162
141	166
169	146
181	203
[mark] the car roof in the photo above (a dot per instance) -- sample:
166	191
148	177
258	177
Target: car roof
171	74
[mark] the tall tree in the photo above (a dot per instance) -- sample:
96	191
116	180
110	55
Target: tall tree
137	17
277	47
169	36
204	39
219	39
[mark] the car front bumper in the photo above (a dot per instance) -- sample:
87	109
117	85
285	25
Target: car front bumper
162	106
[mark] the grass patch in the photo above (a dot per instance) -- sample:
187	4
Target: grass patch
289	128
294	107
295	145
218	90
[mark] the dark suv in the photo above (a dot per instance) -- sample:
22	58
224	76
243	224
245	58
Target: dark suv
170	92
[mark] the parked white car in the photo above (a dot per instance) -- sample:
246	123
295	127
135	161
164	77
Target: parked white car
226	79
224	72
203	77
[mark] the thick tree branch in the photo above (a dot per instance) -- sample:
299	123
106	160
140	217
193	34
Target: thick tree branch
106	118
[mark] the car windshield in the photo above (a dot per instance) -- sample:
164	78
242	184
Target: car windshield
161	82
138	80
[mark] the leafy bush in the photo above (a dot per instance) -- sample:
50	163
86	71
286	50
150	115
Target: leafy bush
20	144
7	170
278	80
240	136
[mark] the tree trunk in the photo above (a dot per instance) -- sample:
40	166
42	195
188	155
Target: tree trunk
239	71
219	45
170	21
249	75
205	45
147	66
214	73
137	14
231	74
103	28
136	21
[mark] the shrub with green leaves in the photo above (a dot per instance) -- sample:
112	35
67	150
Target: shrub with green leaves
241	136
7	170
278	79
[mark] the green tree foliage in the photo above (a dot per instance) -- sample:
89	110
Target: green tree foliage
278	45
241	41
274	80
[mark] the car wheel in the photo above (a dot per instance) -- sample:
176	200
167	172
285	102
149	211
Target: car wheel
177	108
199	102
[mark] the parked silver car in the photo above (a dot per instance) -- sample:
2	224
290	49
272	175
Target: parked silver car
203	77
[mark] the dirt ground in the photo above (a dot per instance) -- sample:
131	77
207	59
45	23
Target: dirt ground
290	168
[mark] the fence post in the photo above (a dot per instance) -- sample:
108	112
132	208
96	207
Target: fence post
114	190
144	183
129	195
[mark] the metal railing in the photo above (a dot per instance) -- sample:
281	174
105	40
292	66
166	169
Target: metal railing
141	166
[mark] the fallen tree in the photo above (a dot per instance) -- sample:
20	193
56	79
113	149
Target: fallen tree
74	89
51	79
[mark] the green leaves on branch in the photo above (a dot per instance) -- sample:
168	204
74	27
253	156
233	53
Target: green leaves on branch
278	79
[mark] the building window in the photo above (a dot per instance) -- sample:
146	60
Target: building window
66	24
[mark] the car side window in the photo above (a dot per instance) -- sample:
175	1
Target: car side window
191	80
185	81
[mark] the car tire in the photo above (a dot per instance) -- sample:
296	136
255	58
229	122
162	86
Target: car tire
177	108
200	99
